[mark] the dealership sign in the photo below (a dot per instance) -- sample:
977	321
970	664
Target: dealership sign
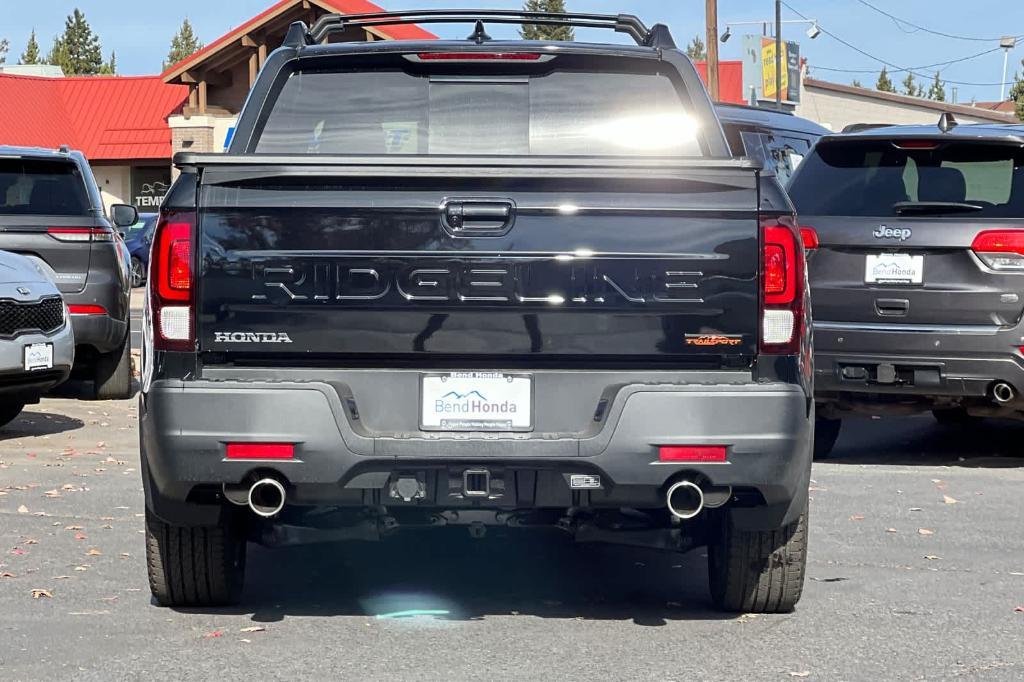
759	69
149	185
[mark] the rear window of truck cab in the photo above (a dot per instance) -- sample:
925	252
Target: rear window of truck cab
42	187
548	106
862	178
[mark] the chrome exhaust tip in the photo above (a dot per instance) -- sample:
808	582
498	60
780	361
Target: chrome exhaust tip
685	500
266	497
1003	392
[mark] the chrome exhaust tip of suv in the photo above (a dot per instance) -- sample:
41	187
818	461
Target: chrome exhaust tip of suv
266	497
685	500
1003	392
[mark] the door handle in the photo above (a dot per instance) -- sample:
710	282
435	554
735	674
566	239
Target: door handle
478	217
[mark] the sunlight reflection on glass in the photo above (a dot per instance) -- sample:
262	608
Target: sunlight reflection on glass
648	132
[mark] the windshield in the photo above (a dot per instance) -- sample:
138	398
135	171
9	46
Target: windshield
875	178
480	111
41	187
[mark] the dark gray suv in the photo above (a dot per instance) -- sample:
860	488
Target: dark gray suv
51	212
917	276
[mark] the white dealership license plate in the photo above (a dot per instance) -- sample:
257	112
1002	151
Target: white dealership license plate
894	268
476	401
38	356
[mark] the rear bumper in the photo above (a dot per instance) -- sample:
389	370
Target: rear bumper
933	365
185	426
105	332
101	332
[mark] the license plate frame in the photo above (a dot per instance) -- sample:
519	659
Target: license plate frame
466	393
37	357
894	269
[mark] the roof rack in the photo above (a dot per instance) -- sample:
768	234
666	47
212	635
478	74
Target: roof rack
658	36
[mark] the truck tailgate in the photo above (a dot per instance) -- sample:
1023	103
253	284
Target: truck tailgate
384	260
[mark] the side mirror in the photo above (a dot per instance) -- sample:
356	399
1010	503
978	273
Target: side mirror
123	215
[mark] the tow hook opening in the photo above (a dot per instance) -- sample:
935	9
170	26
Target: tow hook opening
476	483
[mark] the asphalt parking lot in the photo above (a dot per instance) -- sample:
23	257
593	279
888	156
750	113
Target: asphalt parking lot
916	572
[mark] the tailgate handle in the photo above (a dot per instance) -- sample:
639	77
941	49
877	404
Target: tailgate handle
892	307
478	217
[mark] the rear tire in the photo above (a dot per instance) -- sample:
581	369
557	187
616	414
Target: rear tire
113	373
194	566
9	412
826	433
758	571
956	416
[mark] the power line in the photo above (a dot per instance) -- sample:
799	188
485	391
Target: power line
898	21
895	67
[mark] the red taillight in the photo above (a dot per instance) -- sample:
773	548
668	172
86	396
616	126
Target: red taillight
782	287
481	57
86	309
916	144
170	277
692	453
809	236
1000	249
81	234
260	451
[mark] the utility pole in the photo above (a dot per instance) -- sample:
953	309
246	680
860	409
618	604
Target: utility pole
778	55
711	19
1007	43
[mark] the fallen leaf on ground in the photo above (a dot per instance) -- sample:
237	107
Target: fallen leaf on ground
18	551
949	500
81	536
94	552
211	635
1019	609
39	593
802	673
31	541
890	530
915	509
72	528
253	628
856	517
5	574
925	531
932	557
81	568
23	509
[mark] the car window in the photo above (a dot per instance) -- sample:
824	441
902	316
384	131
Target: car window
42	187
546	112
866	178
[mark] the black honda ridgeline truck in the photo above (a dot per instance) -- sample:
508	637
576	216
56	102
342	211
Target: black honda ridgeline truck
477	283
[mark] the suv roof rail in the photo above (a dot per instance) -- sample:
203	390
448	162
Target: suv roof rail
859	127
658	36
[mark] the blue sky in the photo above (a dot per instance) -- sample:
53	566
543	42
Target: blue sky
140	30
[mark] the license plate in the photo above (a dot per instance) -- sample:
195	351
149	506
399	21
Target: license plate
476	401
894	268
38	356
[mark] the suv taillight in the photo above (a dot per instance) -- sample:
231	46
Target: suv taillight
81	234
782	289
170	282
1000	249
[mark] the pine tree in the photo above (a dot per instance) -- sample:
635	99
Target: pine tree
884	83
937	91
1017	93
536	32
185	43
696	50
110	68
4	45
78	50
910	87
856	83
31	53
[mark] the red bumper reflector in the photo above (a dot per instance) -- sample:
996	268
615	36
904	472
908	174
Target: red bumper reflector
261	451
86	309
692	453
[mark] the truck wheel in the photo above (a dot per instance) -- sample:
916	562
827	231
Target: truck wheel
826	433
113	373
138	273
758	571
194	566
9	412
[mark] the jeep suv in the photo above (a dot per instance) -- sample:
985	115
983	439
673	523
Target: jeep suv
51	212
917	272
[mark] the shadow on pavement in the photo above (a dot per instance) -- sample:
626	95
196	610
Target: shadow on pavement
990	443
75	389
449	576
30	424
